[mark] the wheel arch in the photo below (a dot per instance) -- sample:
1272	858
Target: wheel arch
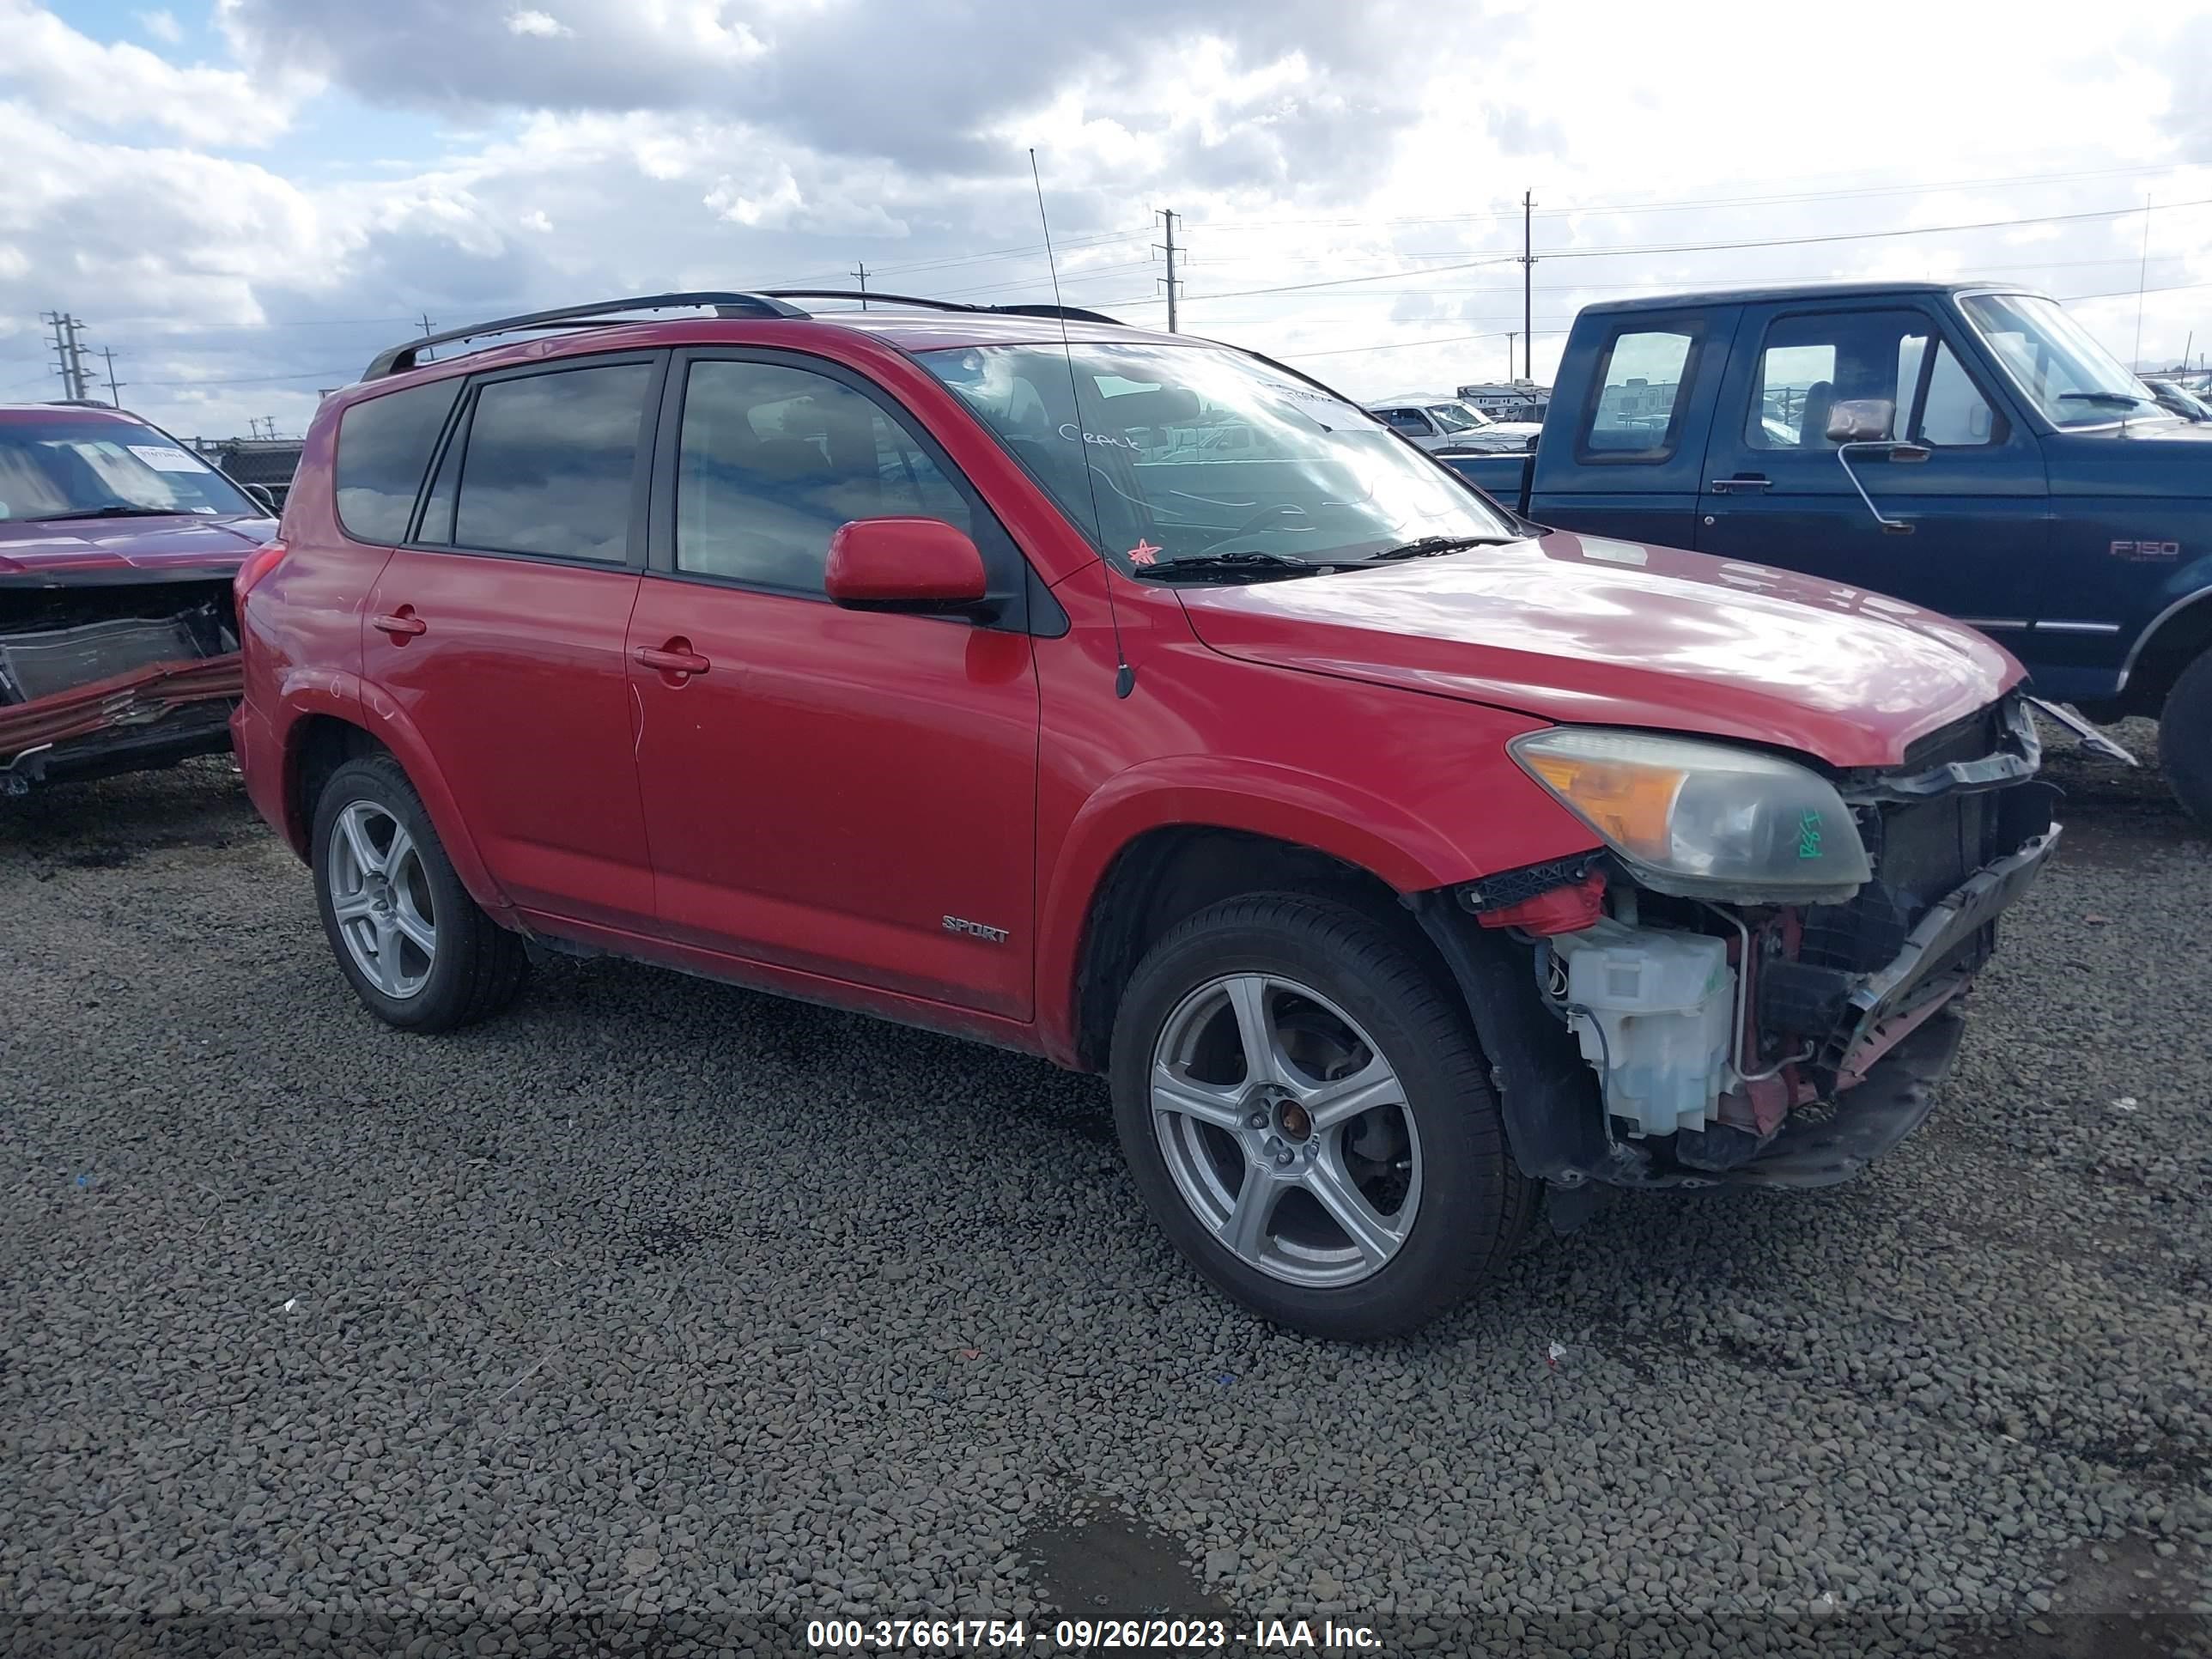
2176	638
318	743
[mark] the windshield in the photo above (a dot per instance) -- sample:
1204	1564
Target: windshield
1196	450
1457	417
2073	380
63	468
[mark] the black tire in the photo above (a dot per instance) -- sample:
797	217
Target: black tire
1474	1205
2185	739
479	966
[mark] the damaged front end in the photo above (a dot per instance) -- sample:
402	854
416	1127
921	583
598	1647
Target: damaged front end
114	672
1758	980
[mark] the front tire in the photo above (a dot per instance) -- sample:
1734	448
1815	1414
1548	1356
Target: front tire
1303	1105
2185	739
409	938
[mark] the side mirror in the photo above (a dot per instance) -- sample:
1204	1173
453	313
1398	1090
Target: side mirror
263	495
1861	420
921	565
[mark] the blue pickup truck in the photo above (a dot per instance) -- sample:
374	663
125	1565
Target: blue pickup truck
1965	447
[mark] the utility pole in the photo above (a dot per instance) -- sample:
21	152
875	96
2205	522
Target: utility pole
860	276
2143	276
1510	337
68	352
114	390
1527	286
1173	281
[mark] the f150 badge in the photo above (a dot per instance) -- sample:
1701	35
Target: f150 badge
2146	552
977	929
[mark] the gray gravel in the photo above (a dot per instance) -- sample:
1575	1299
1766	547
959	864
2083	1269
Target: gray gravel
660	1313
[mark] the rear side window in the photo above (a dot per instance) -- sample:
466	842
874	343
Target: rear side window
384	443
1639	399
551	464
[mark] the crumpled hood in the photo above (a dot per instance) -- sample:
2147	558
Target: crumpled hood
1581	630
92	547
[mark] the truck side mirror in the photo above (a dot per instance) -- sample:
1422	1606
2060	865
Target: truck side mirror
1861	420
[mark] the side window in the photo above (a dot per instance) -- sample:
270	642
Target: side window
1640	394
550	462
1809	364
1407	420
384	443
772	460
1953	412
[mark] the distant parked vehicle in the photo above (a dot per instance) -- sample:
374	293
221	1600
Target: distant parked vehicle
118	648
1441	424
1966	446
2178	399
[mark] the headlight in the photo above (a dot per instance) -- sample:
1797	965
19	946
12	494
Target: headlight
1704	820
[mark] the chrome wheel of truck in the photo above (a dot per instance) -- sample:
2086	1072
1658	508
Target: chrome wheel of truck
1302	1102
1286	1129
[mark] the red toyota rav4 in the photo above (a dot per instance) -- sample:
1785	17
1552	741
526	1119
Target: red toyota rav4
1139	702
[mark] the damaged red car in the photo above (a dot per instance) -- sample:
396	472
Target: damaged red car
1141	704
118	648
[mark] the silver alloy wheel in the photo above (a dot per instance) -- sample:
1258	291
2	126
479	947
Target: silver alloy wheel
1286	1131
381	895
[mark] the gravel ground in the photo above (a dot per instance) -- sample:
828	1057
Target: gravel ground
657	1312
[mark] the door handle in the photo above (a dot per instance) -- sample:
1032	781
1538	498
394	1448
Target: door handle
676	658
1742	484
402	624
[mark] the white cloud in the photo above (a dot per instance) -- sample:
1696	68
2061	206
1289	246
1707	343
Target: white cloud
53	67
163	25
536	220
537	23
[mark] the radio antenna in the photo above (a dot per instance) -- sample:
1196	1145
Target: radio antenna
1125	678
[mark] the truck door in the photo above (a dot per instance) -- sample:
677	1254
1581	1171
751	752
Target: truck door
1962	488
1629	461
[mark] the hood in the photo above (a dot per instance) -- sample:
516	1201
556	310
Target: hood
93	550
1583	630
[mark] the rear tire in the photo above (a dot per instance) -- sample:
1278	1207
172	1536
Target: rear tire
414	945
1357	1184
2185	739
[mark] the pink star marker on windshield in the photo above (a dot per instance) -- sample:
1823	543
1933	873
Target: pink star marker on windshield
1144	553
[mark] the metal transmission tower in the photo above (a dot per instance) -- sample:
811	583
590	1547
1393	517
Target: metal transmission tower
68	352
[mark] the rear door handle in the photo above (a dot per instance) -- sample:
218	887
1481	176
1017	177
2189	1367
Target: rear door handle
677	657
1742	485
401	624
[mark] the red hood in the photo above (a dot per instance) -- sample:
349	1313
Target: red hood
92	548
1582	629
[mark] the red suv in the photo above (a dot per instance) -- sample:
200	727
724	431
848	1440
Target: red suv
1139	702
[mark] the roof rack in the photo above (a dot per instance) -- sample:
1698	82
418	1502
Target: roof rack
401	358
1073	314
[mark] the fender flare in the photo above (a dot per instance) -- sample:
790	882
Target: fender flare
348	698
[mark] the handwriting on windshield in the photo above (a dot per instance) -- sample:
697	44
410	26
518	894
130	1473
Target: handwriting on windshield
1068	430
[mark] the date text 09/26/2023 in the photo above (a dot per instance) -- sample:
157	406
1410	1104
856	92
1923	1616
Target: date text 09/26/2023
1088	1635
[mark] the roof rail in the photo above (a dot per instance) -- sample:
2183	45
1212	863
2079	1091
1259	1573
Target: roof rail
401	358
872	296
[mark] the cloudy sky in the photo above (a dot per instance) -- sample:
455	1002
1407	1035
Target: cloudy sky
245	199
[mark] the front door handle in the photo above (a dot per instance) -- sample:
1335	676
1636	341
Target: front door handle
1742	485
676	658
402	624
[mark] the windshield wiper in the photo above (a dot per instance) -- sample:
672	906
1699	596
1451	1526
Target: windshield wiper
1428	547
1247	564
107	513
2121	399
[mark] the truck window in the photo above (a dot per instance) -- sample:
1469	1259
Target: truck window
1639	396
1807	364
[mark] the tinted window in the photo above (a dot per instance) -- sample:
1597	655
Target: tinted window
1639	394
774	459
1810	364
384	443
1407	420
550	461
